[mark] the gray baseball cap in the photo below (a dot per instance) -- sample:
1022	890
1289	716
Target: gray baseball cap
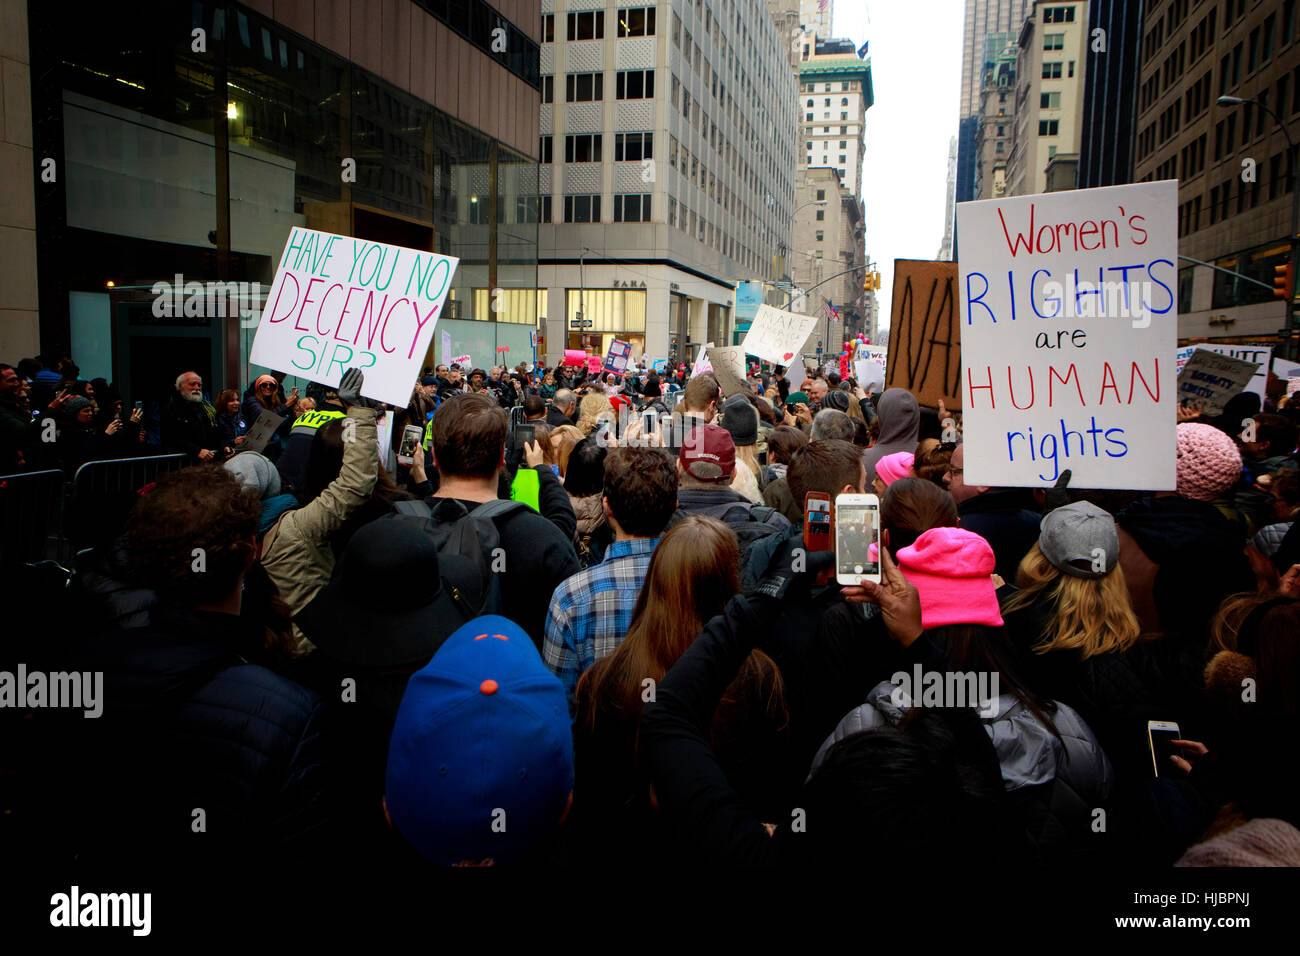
1080	539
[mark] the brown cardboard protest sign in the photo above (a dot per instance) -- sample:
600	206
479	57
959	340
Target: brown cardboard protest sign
924	332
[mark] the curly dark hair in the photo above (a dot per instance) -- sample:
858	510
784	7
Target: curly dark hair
192	535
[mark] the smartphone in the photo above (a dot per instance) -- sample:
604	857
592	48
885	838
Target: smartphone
524	435
1160	737
857	528
410	444
138	406
817	521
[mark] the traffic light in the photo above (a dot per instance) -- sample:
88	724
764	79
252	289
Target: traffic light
1282	281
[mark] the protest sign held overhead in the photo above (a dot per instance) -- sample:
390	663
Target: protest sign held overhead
777	336
464	361
728	366
1260	354
617	357
338	302
925	336
1068	308
1212	378
702	363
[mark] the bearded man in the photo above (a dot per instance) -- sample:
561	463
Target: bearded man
189	424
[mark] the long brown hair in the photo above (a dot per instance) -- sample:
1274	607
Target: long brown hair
694	572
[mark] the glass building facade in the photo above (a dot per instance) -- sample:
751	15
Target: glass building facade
189	138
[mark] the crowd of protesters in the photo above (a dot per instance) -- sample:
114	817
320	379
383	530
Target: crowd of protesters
609	637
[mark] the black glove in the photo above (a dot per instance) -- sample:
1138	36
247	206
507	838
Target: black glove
792	571
1058	497
350	390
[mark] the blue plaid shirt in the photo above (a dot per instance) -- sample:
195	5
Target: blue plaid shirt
591	611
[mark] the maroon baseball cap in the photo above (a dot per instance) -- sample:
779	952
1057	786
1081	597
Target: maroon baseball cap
708	453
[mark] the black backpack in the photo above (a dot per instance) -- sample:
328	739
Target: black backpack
470	536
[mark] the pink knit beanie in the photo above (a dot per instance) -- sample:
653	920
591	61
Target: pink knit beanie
951	569
898	465
1208	461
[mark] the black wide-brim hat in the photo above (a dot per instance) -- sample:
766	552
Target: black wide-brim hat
390	601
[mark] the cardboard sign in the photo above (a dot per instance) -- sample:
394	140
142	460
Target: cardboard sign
702	363
777	336
1263	354
728	366
337	302
1068	311
1213	378
256	437
926	337
617	358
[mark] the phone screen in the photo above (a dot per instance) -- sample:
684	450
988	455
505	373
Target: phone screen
817	524
856	530
524	435
1162	735
410	442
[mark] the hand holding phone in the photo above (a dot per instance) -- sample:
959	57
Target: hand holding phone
857	539
1161	735
410	444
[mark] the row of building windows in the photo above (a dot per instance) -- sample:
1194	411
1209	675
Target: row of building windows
1052	69
590	87
587	147
631	22
844	101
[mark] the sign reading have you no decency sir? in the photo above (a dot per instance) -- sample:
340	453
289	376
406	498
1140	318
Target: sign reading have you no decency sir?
337	302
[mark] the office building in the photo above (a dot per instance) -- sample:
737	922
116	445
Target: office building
190	138
828	240
1235	190
1049	96
1110	93
982	17
997	119
945	247
668	151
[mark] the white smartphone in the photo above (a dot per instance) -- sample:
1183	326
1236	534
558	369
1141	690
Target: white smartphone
1160	737
412	435
857	528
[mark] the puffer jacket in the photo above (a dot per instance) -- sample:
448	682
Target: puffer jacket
297	551
593	534
1057	782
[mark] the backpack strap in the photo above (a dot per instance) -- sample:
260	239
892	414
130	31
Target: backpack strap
745	512
498	508
418	508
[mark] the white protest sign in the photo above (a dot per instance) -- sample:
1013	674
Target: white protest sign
337	302
1284	369
701	360
463	361
728	366
1213	379
262	430
384	435
869	365
1068	331
777	336
446	346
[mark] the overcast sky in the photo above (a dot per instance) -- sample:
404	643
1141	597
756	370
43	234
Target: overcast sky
916	73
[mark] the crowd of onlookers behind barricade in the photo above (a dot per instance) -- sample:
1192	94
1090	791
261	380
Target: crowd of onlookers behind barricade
584	625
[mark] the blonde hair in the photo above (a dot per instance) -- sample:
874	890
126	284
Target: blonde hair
593	407
1092	615
749	456
568	437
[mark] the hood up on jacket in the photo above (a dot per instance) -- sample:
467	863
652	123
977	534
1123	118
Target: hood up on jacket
900	427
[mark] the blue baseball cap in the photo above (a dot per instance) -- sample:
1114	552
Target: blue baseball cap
480	764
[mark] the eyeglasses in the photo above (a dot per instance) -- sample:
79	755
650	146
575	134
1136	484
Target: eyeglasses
955	471
266	385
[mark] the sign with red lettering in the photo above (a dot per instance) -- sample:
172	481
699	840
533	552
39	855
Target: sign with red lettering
338	302
1068	305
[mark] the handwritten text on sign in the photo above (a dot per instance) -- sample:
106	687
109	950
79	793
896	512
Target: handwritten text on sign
338	302
1068	313
777	336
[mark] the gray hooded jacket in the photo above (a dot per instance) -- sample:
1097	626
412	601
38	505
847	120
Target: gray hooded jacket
900	425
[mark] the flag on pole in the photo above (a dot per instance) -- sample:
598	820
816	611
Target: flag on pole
863	51
821	5
831	314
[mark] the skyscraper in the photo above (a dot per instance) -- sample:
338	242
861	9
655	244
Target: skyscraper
945	247
982	18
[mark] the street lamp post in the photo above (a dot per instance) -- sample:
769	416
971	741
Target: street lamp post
1295	202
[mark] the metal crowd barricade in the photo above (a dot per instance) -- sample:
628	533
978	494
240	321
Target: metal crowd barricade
30	509
103	493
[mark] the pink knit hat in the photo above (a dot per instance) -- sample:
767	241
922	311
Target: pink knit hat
951	568
1208	461
898	465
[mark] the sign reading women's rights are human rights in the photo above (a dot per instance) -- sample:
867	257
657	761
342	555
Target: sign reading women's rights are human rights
339	302
1068	331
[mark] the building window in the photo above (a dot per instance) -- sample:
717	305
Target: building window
548	28
636	22
547	148
1048	127
632	208
1053	41
811	104
1046	101
820	235
584	87
548	89
633	146
821	215
1051	71
808	117
844	85
843	158
546	209
808	145
582	148
999	147
844	115
844	144
1058	15
528	208
582	209
587	26
843	130
844	101
828	101
1071	68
